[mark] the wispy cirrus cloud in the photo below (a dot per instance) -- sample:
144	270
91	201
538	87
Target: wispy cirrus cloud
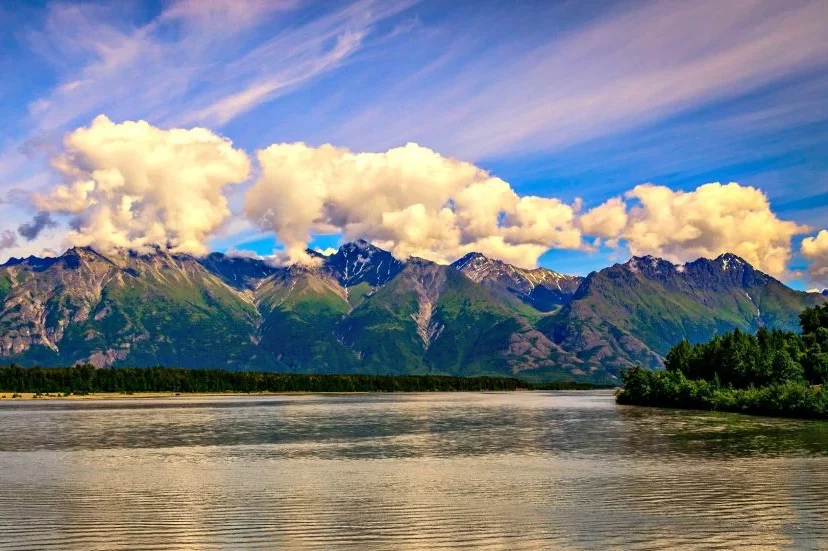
271	86
631	66
195	62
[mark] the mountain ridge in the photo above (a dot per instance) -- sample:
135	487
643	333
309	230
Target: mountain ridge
646	305
541	288
362	310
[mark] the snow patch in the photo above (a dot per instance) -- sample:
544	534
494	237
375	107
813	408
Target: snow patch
758	312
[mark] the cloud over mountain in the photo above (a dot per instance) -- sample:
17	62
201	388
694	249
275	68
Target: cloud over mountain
410	200
705	222
607	220
815	250
134	185
414	201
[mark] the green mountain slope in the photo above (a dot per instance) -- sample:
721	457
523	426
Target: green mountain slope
130	309
362	311
635	312
301	309
433	319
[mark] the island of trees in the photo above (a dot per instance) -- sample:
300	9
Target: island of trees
771	373
85	379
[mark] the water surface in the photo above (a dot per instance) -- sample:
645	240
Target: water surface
525	470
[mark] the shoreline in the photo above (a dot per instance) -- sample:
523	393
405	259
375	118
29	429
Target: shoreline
32	397
6	397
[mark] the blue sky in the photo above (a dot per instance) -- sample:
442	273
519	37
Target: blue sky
559	99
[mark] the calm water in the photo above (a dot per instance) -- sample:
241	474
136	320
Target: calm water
425	471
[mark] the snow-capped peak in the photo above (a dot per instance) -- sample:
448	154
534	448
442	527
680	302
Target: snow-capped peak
470	260
359	261
729	260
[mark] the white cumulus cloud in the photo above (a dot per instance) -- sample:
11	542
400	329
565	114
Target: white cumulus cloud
133	185
410	200
705	222
607	220
815	250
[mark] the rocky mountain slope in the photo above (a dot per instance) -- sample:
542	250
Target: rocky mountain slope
362	310
138	309
543	289
635	312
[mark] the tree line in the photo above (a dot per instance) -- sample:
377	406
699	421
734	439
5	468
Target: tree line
83	379
772	372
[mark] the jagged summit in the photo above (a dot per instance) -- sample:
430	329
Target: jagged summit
420	261
730	258
360	261
475	265
478	266
541	288
643	258
470	260
75	254
360	245
726	267
725	260
649	262
70	259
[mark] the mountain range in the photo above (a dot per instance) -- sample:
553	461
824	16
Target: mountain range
360	310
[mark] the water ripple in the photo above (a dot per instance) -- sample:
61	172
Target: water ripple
519	471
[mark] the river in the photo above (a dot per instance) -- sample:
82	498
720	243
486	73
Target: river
512	471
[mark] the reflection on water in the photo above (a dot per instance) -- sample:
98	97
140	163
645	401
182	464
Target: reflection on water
541	470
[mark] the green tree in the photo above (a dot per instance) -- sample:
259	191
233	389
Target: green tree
679	357
812	319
